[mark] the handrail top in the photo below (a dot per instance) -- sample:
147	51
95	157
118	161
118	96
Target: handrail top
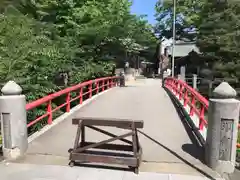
199	97
114	122
52	96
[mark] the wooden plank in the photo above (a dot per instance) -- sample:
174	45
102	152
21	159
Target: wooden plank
140	156
120	123
116	147
134	140
107	159
78	135
80	149
83	134
109	134
138	143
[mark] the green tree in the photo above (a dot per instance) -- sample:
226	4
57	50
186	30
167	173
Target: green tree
75	36
187	18
219	37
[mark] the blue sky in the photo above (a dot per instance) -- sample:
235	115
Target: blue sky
140	7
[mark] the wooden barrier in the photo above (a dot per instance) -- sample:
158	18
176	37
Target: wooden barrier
81	152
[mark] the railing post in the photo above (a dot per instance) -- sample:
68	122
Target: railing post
223	117
81	95
90	89
192	105
103	84
97	87
176	88
202	116
49	110
108	83
68	98
14	121
194	81
111	83
181	92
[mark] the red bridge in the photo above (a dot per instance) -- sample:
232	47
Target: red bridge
172	136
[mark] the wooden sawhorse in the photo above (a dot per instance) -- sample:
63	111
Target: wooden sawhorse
81	151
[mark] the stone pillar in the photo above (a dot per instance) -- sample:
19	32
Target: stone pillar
13	121
164	77
182	72
179	76
194	81
122	80
223	117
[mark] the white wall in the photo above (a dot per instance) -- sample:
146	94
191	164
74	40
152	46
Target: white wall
166	43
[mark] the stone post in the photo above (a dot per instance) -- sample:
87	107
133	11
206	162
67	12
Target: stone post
122	79
182	72
13	121
179	76
164	77
194	81
223	117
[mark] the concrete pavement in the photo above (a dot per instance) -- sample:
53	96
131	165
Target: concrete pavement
49	172
167	142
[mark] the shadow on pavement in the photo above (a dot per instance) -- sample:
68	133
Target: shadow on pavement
195	149
178	156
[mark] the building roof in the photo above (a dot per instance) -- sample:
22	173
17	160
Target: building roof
183	48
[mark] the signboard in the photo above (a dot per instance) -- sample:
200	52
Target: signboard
226	136
6	130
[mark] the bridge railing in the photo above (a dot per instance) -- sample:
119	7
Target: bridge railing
194	104
81	90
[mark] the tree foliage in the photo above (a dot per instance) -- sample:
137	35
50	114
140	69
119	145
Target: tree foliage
42	38
219	36
216	28
187	18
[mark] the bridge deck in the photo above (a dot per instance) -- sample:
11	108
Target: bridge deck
166	142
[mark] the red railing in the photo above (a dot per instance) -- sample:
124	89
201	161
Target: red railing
193	102
93	86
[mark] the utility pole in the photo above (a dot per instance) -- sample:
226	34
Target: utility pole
174	35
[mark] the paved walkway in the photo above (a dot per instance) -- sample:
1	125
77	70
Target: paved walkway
167	143
49	172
